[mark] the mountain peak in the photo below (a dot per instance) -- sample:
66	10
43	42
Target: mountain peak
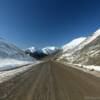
32	49
50	49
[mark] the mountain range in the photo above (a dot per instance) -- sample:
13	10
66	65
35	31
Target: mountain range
40	53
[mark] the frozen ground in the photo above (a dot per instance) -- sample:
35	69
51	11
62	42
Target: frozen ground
8	74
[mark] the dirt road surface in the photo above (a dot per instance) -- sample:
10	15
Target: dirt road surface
51	81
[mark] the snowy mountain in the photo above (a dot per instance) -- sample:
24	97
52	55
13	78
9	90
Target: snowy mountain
90	50
31	50
11	56
86	52
69	48
40	53
50	50
35	53
73	44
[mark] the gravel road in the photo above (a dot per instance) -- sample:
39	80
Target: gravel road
51	81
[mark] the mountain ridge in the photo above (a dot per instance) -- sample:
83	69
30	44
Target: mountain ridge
83	52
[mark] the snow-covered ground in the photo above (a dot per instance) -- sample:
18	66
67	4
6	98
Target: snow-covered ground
6	75
90	67
7	64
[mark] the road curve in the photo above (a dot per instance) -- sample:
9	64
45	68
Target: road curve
51	81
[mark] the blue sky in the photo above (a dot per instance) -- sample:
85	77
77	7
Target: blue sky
42	23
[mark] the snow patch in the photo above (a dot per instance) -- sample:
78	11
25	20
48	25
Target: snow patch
7	64
90	67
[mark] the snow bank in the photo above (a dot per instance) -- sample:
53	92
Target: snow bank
7	64
90	67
